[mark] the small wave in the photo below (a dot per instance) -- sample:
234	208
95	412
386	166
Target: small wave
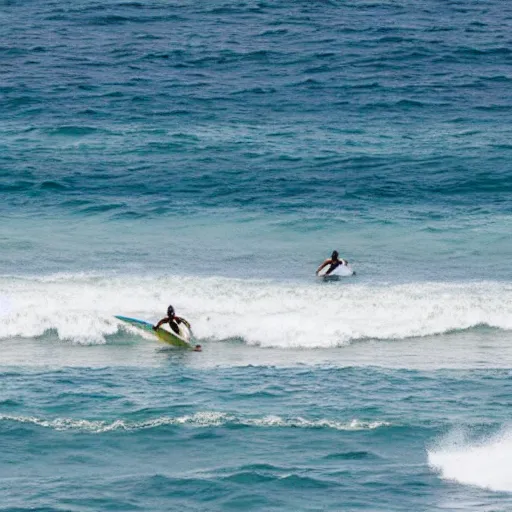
248	477
484	462
277	421
73	131
17	186
352	455
201	419
111	19
294	480
469	51
101	208
53	185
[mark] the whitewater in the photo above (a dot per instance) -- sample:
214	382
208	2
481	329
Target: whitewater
80	308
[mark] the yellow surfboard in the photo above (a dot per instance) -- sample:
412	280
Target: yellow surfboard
182	341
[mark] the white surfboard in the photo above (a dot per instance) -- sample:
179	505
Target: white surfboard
338	272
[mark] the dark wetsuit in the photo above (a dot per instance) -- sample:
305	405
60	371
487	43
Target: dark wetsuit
174	325
334	265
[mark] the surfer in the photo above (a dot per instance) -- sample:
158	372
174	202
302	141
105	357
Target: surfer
172	320
334	261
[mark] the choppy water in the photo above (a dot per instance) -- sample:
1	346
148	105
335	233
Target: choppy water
211	155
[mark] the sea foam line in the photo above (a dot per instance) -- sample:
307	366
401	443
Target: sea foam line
200	419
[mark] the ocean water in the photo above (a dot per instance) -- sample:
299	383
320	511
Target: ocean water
211	155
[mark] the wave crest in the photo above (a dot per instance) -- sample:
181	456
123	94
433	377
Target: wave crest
200	419
80	308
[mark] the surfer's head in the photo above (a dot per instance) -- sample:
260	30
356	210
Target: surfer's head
334	255
197	348
170	312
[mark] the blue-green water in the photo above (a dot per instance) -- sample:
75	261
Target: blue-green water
211	155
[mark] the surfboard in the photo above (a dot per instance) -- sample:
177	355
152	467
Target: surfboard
163	334
339	272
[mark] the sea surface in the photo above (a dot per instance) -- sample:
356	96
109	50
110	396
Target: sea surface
210	155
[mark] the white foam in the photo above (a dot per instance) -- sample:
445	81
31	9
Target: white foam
484	463
354	424
80	308
200	419
5	306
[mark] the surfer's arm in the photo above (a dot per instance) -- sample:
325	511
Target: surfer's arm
163	321
183	321
324	264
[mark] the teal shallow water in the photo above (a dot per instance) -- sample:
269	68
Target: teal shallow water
302	438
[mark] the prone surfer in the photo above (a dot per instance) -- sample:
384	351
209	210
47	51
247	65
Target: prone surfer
172	320
334	261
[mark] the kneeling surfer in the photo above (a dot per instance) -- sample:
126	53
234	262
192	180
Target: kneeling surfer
334	261
173	320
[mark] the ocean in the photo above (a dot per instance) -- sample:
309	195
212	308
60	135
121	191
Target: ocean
210	155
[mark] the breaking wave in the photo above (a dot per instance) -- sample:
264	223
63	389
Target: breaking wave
483	462
80	308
